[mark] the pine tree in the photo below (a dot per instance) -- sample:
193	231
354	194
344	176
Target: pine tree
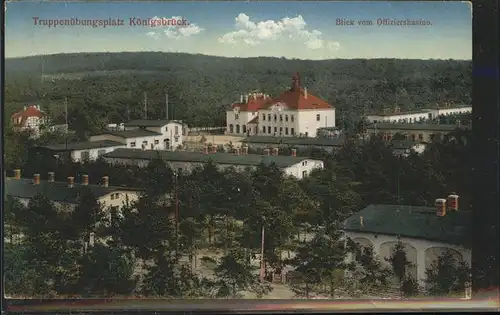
400	264
447	275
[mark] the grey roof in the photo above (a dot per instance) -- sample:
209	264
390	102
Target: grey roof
83	145
413	222
147	123
451	107
134	133
199	157
408	112
429	127
56	191
295	141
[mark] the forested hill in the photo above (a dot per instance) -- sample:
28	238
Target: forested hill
110	86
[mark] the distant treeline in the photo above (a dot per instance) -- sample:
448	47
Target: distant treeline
109	87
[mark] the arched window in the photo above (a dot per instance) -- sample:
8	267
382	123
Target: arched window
231	128
237	128
244	129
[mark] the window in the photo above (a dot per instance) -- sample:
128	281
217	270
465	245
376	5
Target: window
286	130
304	163
244	129
275	117
132	144
144	142
413	137
420	137
292	131
275	129
307	134
281	131
85	155
281	117
236	116
166	129
157	141
231	128
304	173
286	117
268	129
263	116
237	128
101	152
292	118
263	129
318	117
269	117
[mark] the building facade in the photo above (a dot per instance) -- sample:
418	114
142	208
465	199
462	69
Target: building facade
295	112
424	235
31	118
183	161
415	132
65	195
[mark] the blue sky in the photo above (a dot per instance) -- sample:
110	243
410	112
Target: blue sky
304	30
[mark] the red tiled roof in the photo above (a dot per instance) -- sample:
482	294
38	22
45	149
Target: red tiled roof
296	99
253	104
30	111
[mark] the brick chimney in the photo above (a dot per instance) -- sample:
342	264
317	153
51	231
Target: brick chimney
296	82
71	181
105	181
267	152
51	177
294	152
205	149
245	150
85	179
36	179
17	174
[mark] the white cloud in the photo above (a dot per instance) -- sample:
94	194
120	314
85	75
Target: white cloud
172	29
294	29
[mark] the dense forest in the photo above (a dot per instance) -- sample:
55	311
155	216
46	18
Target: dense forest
110	87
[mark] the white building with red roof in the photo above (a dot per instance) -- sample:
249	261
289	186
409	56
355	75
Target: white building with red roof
30	118
295	112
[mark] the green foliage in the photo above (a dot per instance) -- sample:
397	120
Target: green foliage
447	275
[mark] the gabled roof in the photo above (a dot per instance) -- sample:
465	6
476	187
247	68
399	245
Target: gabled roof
30	111
135	133
149	123
56	191
87	145
299	100
200	157
413	222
